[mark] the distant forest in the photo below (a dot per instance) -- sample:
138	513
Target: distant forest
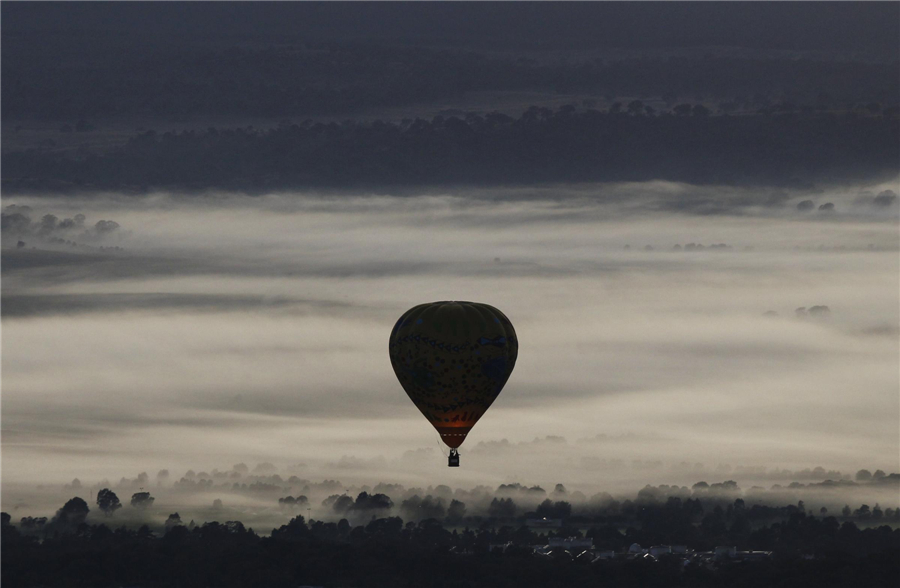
79	77
392	96
304	59
779	145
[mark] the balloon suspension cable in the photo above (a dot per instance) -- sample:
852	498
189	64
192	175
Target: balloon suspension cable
440	444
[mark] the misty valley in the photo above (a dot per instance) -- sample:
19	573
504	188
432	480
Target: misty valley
463	295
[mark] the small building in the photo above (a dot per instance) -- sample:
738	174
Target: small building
604	554
635	548
570	543
658	550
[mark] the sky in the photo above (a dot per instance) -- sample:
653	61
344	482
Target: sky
206	331
829	27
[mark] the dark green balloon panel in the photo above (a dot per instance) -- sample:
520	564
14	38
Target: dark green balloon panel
453	359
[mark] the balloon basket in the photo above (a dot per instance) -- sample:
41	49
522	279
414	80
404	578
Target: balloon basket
453	459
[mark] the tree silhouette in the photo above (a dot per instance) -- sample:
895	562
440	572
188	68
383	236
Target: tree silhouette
456	511
502	508
32	523
366	501
174	520
342	504
108	502
162	476
72	514
142	500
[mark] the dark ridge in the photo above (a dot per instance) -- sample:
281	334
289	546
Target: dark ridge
778	147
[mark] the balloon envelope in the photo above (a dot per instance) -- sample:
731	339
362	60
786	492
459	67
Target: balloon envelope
453	359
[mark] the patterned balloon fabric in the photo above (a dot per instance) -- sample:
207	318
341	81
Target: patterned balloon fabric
453	359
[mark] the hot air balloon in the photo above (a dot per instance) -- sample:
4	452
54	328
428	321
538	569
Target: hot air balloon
453	359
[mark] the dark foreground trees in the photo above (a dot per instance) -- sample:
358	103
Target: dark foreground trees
387	552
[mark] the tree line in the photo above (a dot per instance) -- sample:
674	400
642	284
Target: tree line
543	145
388	552
79	75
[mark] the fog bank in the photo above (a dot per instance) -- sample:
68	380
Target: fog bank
662	317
